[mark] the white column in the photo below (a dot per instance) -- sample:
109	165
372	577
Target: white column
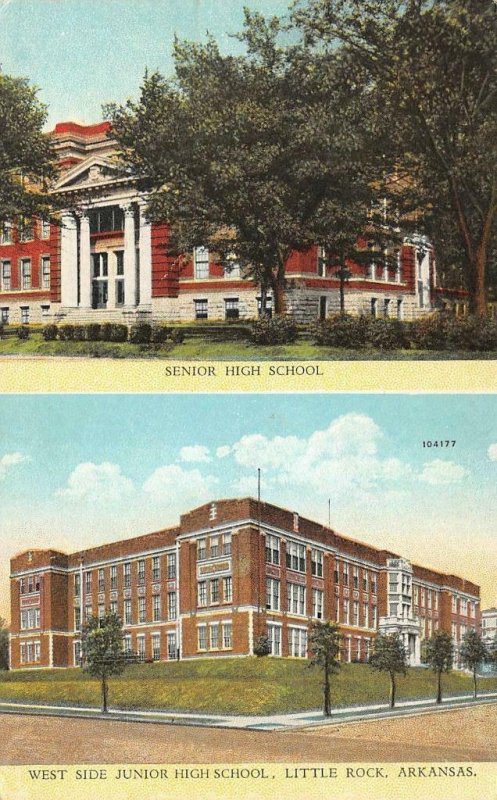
129	257
145	259
85	277
69	261
111	279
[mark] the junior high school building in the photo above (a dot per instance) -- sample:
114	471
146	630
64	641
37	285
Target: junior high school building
229	572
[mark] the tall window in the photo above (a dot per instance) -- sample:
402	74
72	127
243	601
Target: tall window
214	546
274	636
365	614
156	607
356	613
346	612
156	568
317	603
227	636
6	233
45	272
119	277
77	584
214	590
201	550
272	594
113	578
295	556
26	273
140	647
127	574
295	598
101	580
297	642
201	311
45	229
201	263
100	289
113	607
317	563
141	609
25	315
356	577
232	310
88	582
171	645
345	574
272	549
214	636
226	544
141	572
6	275
171	566
171	605
128	619
202	593
227	589
202	637
155	638
4	315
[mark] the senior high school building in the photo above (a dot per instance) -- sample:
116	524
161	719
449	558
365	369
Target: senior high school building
229	572
105	262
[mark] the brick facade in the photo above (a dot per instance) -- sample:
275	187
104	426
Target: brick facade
231	571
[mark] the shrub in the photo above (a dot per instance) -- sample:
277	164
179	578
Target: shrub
177	335
1	331
106	331
23	332
160	334
262	646
66	332
93	331
79	333
387	334
274	330
343	330
119	333
141	333
431	332
50	333
472	333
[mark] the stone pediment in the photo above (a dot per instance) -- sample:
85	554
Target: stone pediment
89	173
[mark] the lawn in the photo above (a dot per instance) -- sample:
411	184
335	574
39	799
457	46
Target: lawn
232	686
203	348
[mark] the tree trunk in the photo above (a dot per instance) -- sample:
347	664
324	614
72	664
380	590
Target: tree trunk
104	694
392	690
327	692
479	294
439	687
475	694
342	292
279	295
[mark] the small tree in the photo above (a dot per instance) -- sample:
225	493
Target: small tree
473	652
324	644
4	644
439	655
390	656
102	648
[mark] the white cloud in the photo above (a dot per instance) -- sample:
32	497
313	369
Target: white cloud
96	483
10	460
195	453
223	451
442	473
172	480
492	452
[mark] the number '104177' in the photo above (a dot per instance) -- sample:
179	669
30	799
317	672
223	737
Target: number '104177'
439	442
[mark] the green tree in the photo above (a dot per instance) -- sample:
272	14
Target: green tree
4	644
389	655
473	652
324	645
26	157
262	645
432	67
439	655
255	156
102	650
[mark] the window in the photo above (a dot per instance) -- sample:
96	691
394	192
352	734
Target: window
336	573
141	572
171	566
365	580
155	638
374	609
25	315
128	618
214	550
113	578
77	654
317	603
156	607
201	309
231	309
202	637
214	636
214	590
88	582
44	229
4	316
295	598
297	642
356	577
226	544
88	611
127	574
295	556
101	580
171	605
365	615
6	233
227	635
201	263
119	254
345	574
108	218
101	610
127	643
171	645
156	568
30	618
77	584
202	593
25	229
6	275
272	594
454	604
272	549
373	584
227	589
274	636
45	310
100	288
355	620
113	607
201	550
317	563
25	273
140	647
45	272
346	612
141	609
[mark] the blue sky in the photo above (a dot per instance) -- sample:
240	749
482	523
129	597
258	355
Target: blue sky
78	470
82	53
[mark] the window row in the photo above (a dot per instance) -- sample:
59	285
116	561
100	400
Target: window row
30	652
28	584
460	605
109	578
214	546
356	577
24	230
154	650
25	313
209	591
356	614
295	556
231	308
133	612
19	275
30	618
215	636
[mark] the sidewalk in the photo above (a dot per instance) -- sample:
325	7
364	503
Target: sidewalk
302	719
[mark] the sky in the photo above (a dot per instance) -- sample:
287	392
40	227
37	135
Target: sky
80	470
83	53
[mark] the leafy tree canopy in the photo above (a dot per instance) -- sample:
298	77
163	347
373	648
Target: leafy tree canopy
26	157
389	655
324	645
4	644
102	650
